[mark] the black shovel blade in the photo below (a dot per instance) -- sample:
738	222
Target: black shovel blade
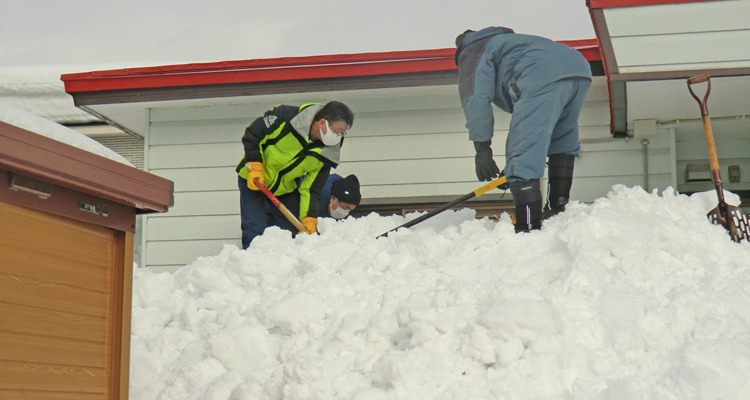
737	222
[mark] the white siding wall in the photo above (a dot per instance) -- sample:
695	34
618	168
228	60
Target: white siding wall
732	139
669	102
401	145
670	37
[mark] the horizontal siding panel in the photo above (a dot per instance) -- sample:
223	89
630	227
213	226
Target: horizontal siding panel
598	91
51	296
678	18
51	350
462	169
725	148
47	268
195	155
435	145
445	145
36	321
26	229
184	252
46	395
451	120
203	203
597	132
199	179
192	228
683	49
45	377
217	112
722	129
413	122
661	141
195	132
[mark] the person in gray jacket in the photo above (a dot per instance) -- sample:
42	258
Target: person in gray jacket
542	83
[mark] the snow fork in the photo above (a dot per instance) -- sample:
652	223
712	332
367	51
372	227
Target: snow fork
734	219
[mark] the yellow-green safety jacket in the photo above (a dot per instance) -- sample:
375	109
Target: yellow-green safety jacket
280	140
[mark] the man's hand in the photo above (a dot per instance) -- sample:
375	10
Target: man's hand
254	170
311	224
486	168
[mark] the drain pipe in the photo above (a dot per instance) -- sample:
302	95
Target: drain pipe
645	144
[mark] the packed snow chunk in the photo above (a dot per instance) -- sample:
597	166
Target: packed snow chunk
635	296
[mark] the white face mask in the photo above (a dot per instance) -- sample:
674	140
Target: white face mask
331	138
338	212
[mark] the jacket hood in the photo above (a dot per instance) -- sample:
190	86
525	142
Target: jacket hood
302	123
468	37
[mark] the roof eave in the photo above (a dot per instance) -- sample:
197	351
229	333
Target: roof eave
40	157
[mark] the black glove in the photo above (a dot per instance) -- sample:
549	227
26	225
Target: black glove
486	168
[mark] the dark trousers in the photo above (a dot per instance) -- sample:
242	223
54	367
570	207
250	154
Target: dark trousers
253	208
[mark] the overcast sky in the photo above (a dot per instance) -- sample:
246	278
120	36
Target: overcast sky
152	32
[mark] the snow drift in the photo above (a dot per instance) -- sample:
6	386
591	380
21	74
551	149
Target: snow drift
636	296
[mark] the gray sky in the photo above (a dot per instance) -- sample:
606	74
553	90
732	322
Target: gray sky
153	32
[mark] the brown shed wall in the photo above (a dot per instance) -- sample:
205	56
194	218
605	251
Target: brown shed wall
65	290
66	267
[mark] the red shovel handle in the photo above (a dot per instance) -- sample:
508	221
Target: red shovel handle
280	206
267	192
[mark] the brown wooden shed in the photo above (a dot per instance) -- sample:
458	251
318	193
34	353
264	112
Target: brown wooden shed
67	218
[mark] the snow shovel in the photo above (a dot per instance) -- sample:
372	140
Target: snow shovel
478	192
734	219
288	214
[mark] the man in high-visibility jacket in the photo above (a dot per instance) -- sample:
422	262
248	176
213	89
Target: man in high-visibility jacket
286	143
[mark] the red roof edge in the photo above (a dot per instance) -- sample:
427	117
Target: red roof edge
280	69
594	4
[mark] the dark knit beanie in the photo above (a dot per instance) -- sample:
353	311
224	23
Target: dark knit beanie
347	190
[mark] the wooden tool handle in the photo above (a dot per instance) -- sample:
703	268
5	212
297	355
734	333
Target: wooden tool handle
714	159
288	214
698	79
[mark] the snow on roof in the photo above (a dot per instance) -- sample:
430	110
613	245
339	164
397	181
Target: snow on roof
42	126
39	90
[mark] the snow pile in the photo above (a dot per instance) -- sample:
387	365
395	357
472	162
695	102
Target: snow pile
636	296
30	122
39	90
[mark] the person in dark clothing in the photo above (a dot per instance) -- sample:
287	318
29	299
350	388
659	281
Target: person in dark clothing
339	197
285	144
543	84
342	194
